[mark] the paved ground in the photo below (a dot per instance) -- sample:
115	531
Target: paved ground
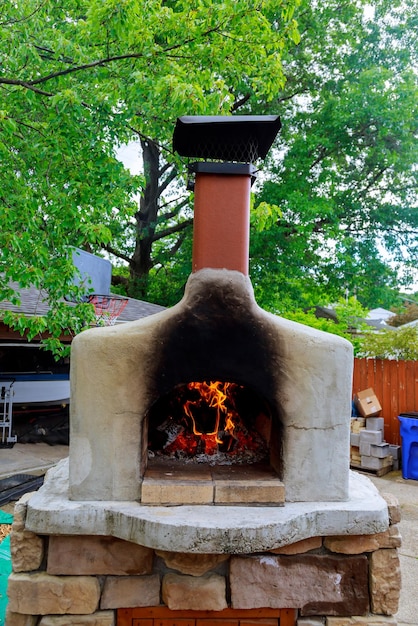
30	458
406	491
37	458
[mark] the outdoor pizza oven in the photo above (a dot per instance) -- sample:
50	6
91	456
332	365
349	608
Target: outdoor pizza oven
214	393
208	476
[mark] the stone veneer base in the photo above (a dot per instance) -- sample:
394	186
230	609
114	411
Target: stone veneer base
203	529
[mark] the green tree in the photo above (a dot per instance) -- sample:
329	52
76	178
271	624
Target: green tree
79	79
400	344
344	174
82	77
349	321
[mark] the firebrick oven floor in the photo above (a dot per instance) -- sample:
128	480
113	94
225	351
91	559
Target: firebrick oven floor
169	482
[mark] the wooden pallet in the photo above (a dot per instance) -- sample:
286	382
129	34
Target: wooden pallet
376	472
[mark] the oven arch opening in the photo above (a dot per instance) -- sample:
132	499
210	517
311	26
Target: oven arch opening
214	422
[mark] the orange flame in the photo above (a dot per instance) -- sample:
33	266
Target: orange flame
210	418
215	395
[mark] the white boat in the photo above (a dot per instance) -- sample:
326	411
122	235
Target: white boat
37	378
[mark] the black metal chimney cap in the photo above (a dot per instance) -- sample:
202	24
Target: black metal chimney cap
241	138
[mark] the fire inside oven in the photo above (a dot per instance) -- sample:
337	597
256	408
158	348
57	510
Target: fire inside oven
213	422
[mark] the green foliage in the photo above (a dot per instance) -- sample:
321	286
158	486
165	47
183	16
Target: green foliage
351	314
336	200
168	279
309	319
344	174
82	77
349	322
400	344
264	216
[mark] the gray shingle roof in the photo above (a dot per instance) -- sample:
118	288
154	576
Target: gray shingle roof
35	302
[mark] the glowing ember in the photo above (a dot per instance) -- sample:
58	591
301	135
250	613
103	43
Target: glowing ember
204	425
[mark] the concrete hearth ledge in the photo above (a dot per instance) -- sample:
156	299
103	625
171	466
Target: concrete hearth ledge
205	529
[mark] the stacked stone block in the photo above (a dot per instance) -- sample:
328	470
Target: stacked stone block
82	580
368	449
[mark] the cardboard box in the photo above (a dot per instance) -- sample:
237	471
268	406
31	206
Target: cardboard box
366	403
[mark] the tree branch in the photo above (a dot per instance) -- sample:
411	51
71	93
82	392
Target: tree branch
176	210
119	255
375	178
167	181
239	103
177	228
100	62
26	85
174	249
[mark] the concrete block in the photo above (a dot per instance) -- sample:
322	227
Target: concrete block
374	463
185	529
379	450
371	436
375	423
355	439
365	449
395	452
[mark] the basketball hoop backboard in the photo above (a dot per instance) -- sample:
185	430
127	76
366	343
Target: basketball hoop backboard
94	273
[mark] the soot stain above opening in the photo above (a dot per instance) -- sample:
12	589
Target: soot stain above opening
219	335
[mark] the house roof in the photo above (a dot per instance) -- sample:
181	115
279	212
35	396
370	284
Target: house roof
35	302
378	324
408	324
376	318
380	314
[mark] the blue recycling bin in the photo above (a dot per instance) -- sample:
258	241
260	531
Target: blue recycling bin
409	434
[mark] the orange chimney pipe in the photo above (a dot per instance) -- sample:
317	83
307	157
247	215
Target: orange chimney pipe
221	222
222	186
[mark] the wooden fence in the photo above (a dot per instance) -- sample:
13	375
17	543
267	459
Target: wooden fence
395	384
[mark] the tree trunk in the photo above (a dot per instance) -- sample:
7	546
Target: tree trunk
146	221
